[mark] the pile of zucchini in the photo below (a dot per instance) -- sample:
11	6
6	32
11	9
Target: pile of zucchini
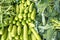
19	22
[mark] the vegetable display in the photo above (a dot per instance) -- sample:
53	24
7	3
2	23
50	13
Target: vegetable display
29	19
19	20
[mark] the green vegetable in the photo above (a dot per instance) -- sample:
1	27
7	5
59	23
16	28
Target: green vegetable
11	20
21	36
16	18
29	15
26	10
0	31
33	37
36	34
17	8
23	22
14	22
23	1
21	6
20	16
31	25
28	2
24	16
25	4
17	37
33	14
10	28
19	30
25	32
9	36
30	37
4	36
18	23
31	7
6	22
20	20
14	31
28	20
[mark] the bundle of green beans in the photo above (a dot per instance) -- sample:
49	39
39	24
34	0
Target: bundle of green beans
20	22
